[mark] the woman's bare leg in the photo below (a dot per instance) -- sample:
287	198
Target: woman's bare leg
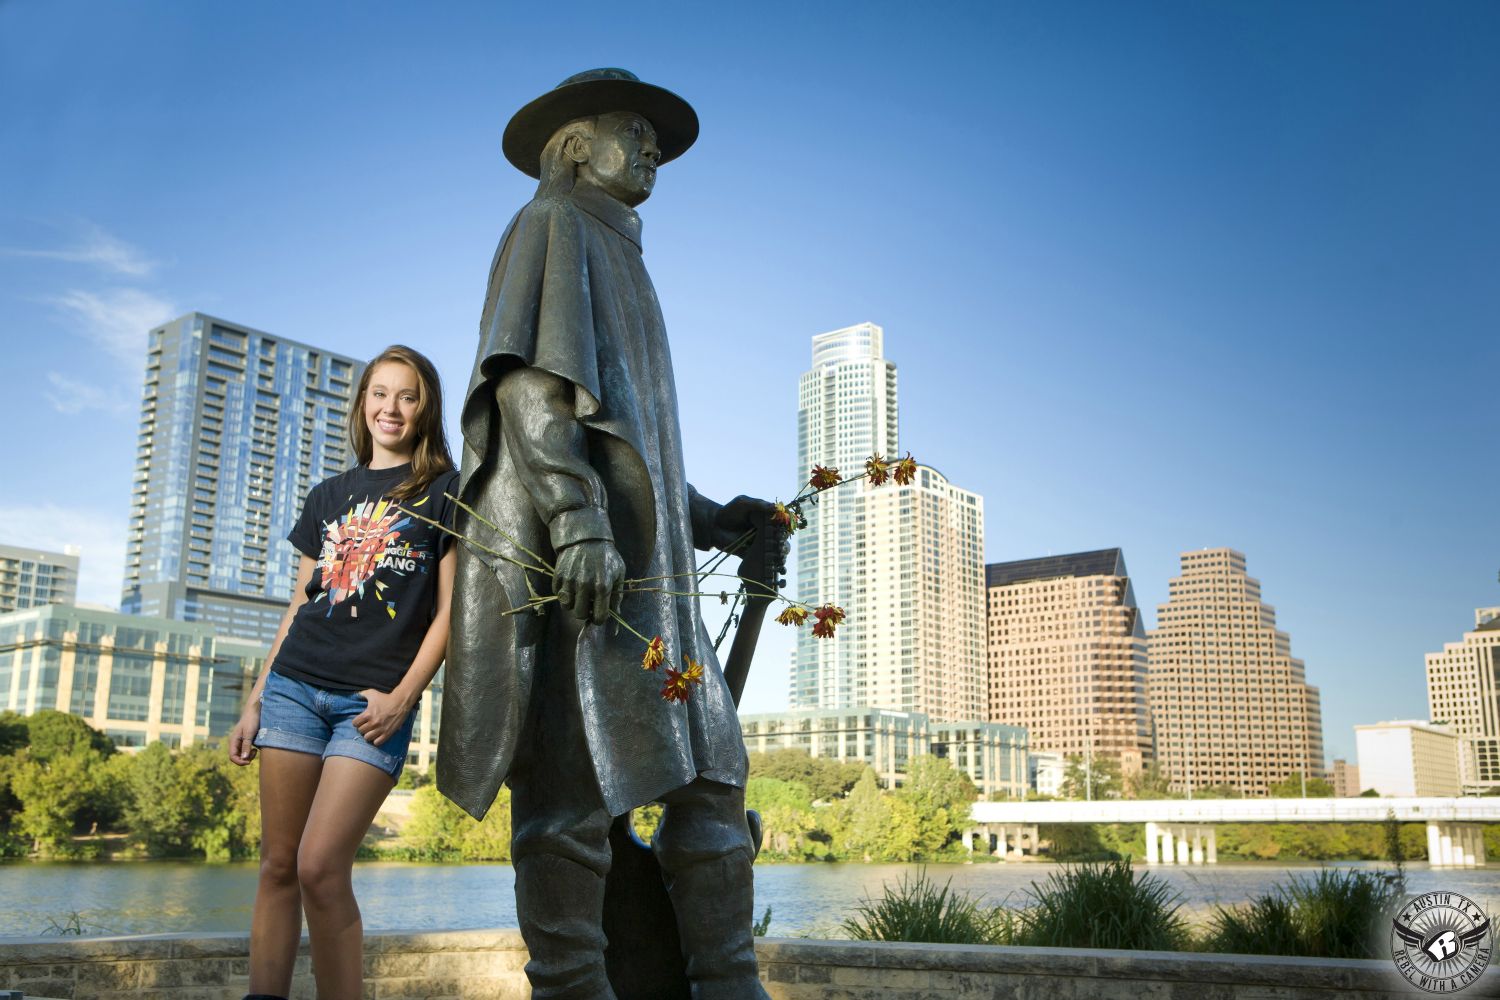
349	794
288	783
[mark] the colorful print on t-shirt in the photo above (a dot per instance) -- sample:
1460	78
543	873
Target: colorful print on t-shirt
364	539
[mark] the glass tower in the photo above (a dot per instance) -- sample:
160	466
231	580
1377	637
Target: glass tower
846	411
236	426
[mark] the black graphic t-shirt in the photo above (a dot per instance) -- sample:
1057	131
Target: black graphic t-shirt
374	591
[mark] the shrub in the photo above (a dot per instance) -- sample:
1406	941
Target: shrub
916	909
1337	913
1099	906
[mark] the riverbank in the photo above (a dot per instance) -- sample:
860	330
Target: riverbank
146	897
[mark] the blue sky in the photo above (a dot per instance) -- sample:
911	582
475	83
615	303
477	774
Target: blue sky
1155	275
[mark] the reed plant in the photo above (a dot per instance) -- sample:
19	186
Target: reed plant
1099	905
1337	913
918	909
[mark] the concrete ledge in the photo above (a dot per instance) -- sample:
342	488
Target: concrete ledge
487	965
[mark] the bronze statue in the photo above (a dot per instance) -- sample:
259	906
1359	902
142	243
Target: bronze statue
573	453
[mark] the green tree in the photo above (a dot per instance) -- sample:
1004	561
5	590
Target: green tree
13	733
940	796
1291	788
1092	778
50	733
52	794
440	830
1221	790
786	816
864	819
1150	783
163	803
826	779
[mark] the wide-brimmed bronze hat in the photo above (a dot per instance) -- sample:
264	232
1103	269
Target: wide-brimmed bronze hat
598	92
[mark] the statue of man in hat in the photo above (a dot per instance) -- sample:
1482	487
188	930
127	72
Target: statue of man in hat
573	458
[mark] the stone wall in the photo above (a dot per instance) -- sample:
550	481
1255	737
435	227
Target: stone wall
487	965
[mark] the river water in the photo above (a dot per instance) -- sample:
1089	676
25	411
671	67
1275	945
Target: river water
148	897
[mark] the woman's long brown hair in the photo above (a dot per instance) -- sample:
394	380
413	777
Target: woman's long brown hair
430	457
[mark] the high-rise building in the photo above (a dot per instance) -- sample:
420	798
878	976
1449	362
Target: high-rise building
138	680
1067	656
905	562
1408	758
32	577
236	426
1346	779
1230	703
846	412
994	756
1463	694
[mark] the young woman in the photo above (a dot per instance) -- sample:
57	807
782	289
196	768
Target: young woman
332	713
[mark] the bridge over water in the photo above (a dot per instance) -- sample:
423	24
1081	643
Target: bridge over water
1181	831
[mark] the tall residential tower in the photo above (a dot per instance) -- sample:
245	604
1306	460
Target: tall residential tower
1231	705
236	426
905	562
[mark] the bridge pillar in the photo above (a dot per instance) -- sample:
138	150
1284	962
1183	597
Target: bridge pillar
1182	845
1434	845
1213	845
969	841
1153	844
1168	851
1197	845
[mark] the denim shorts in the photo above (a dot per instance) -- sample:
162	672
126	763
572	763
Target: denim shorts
308	719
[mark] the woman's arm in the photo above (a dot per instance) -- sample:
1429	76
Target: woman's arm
241	747
385	713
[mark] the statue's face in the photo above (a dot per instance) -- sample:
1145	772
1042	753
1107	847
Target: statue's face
622	157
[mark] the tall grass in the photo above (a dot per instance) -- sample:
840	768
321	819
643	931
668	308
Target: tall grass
1099	906
1337	913
916	909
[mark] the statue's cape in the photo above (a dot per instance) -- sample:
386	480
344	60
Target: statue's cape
569	293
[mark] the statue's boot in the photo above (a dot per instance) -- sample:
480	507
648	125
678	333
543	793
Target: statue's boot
559	905
714	900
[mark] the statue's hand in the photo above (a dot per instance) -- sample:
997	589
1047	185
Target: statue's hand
588	579
737	517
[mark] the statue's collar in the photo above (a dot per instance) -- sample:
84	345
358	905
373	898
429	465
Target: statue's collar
615	214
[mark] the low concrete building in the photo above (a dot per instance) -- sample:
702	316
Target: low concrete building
1408	759
137	679
994	756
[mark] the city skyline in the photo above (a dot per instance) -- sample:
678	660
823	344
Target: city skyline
1219	277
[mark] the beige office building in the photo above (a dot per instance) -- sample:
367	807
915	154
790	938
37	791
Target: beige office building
1067	656
1346	779
30	578
1230	703
1406	759
1463	694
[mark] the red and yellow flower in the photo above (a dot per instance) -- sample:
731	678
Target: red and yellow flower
793	615
656	654
679	683
906	471
829	616
824	478
782	516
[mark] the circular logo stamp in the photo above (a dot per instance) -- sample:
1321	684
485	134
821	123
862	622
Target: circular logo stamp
1440	942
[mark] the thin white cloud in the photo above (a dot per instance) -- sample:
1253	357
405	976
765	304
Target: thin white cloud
70	395
116	320
97	248
101	539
